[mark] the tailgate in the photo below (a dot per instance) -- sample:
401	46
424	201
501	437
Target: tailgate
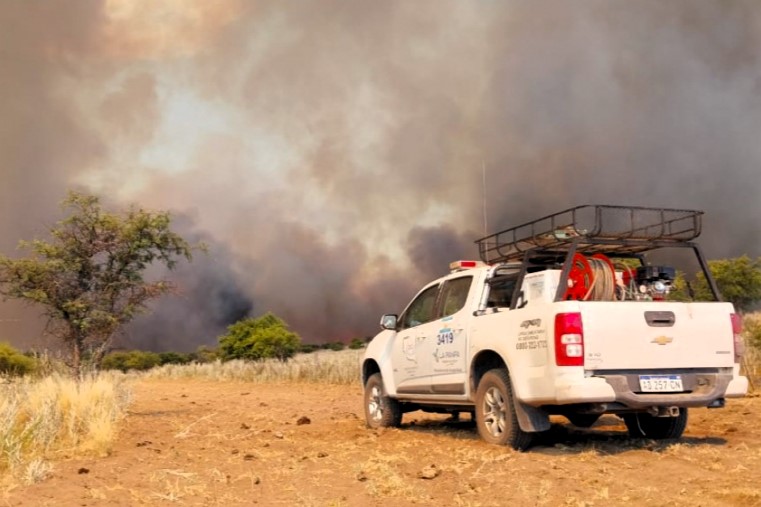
657	335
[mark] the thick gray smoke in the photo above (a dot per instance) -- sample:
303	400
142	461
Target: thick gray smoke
208	297
334	150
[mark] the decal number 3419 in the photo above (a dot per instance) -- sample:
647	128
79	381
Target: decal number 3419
444	338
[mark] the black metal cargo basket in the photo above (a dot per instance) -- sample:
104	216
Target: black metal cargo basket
625	230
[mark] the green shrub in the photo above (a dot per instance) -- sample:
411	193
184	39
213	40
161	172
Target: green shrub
13	362
115	361
357	343
259	338
132	360
203	354
333	346
307	348
173	358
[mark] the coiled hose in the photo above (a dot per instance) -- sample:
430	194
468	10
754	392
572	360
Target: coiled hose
603	286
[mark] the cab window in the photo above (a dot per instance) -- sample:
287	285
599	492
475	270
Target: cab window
454	294
501	290
422	308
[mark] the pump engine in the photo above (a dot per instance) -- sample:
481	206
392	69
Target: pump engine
654	282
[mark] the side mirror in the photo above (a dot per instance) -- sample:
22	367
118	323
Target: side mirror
388	321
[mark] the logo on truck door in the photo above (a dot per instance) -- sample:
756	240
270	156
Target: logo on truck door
532	322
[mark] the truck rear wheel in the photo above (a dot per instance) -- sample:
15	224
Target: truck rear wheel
380	410
496	419
657	428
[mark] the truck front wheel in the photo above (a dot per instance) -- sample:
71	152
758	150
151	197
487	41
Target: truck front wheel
657	428
495	412
381	411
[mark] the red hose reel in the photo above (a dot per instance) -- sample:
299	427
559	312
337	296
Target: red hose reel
581	277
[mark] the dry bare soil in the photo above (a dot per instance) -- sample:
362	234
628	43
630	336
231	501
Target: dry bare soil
195	442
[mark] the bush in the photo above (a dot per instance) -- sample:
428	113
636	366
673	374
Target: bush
132	360
357	343
259	338
14	363
203	354
307	348
333	346
173	358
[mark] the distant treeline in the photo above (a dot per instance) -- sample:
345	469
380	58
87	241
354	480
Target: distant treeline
15	363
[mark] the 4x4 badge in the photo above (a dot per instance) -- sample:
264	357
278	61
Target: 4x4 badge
662	340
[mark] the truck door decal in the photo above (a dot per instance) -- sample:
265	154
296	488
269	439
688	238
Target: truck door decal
531	339
409	347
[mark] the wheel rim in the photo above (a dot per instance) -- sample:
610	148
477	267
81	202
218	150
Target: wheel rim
495	412
374	405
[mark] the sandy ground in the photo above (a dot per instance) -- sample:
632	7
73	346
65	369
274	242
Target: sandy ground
211	443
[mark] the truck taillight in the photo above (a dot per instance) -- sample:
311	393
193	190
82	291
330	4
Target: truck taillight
569	340
737	329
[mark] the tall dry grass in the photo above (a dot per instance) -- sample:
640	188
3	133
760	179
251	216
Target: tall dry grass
751	367
45	418
321	367
751	363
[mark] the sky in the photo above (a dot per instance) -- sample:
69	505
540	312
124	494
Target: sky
335	155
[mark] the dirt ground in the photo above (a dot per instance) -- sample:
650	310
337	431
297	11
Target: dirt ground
215	443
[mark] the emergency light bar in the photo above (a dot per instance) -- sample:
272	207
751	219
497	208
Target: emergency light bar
462	265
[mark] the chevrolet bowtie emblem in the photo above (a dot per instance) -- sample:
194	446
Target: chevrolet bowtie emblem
662	340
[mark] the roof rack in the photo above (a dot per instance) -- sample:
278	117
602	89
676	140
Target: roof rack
623	230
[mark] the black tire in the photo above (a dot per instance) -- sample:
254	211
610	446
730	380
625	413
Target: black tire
496	420
583	420
380	410
657	428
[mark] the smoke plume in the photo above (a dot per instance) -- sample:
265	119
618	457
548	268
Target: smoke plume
333	154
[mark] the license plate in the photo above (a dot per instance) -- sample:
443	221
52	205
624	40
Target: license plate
660	383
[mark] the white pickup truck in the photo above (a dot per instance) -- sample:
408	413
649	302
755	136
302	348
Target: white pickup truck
565	315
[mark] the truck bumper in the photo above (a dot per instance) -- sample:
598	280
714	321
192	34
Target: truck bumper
701	389
582	390
737	388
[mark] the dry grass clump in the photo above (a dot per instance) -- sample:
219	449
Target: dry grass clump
56	414
384	477
322	367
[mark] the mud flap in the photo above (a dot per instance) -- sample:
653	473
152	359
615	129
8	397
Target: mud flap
531	419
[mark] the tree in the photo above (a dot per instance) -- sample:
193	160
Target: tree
738	280
259	338
89	278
